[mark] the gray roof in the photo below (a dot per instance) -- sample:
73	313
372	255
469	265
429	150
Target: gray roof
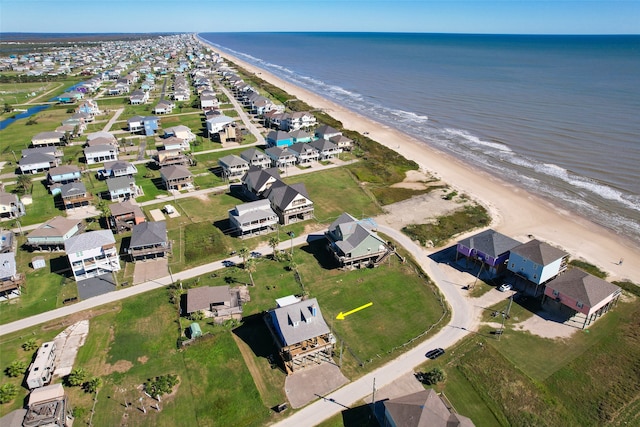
148	233
34	158
281	194
175	172
101	148
73	189
302	147
279	152
232	160
539	252
583	287
64	169
349	233
201	298
297	323
490	242
326	130
423	409
278	135
47	135
88	240
117	165
119	183
252	154
323	145
256	178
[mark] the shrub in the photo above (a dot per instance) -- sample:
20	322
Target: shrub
30	345
76	377
92	385
17	368
161	385
434	376
8	392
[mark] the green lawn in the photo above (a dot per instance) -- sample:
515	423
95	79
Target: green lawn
352	198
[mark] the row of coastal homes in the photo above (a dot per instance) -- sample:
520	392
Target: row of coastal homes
274	202
539	268
234	167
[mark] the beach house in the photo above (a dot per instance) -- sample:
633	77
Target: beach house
73	195
281	157
149	240
37	162
278	138
52	234
233	167
354	244
581	293
10	279
47	138
300	333
252	218
290	202
256	157
489	247
257	181
537	262
11	206
123	188
92	254
100	153
176	177
422	408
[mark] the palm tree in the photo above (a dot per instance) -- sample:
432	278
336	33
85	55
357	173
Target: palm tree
273	244
244	254
250	266
24	183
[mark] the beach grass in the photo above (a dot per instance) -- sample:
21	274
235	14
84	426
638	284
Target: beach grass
446	227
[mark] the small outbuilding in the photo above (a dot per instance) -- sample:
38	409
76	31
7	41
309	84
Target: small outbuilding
194	330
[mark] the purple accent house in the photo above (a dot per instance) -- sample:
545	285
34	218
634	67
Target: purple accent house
490	247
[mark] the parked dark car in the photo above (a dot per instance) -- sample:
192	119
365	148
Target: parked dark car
435	353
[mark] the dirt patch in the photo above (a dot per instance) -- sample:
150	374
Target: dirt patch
422	209
143	359
120	366
76	317
415	180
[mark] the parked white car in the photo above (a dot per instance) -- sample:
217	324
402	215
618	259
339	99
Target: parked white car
504	287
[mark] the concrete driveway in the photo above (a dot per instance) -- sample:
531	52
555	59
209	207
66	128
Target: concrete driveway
312	383
150	270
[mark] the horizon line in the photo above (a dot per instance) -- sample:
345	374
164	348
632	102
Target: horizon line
315	32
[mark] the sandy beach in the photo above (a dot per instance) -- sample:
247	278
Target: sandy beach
514	211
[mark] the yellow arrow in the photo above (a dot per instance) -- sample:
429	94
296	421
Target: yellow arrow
342	315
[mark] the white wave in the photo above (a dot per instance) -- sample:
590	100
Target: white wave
589	184
409	116
474	141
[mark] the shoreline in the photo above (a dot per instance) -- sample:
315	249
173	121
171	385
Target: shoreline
514	211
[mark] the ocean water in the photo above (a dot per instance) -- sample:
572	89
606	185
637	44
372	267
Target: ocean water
557	115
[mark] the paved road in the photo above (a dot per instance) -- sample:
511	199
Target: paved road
142	288
245	118
462	319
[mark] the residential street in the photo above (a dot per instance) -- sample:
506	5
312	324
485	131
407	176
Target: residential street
463	320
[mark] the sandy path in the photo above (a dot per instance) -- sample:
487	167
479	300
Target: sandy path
515	212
